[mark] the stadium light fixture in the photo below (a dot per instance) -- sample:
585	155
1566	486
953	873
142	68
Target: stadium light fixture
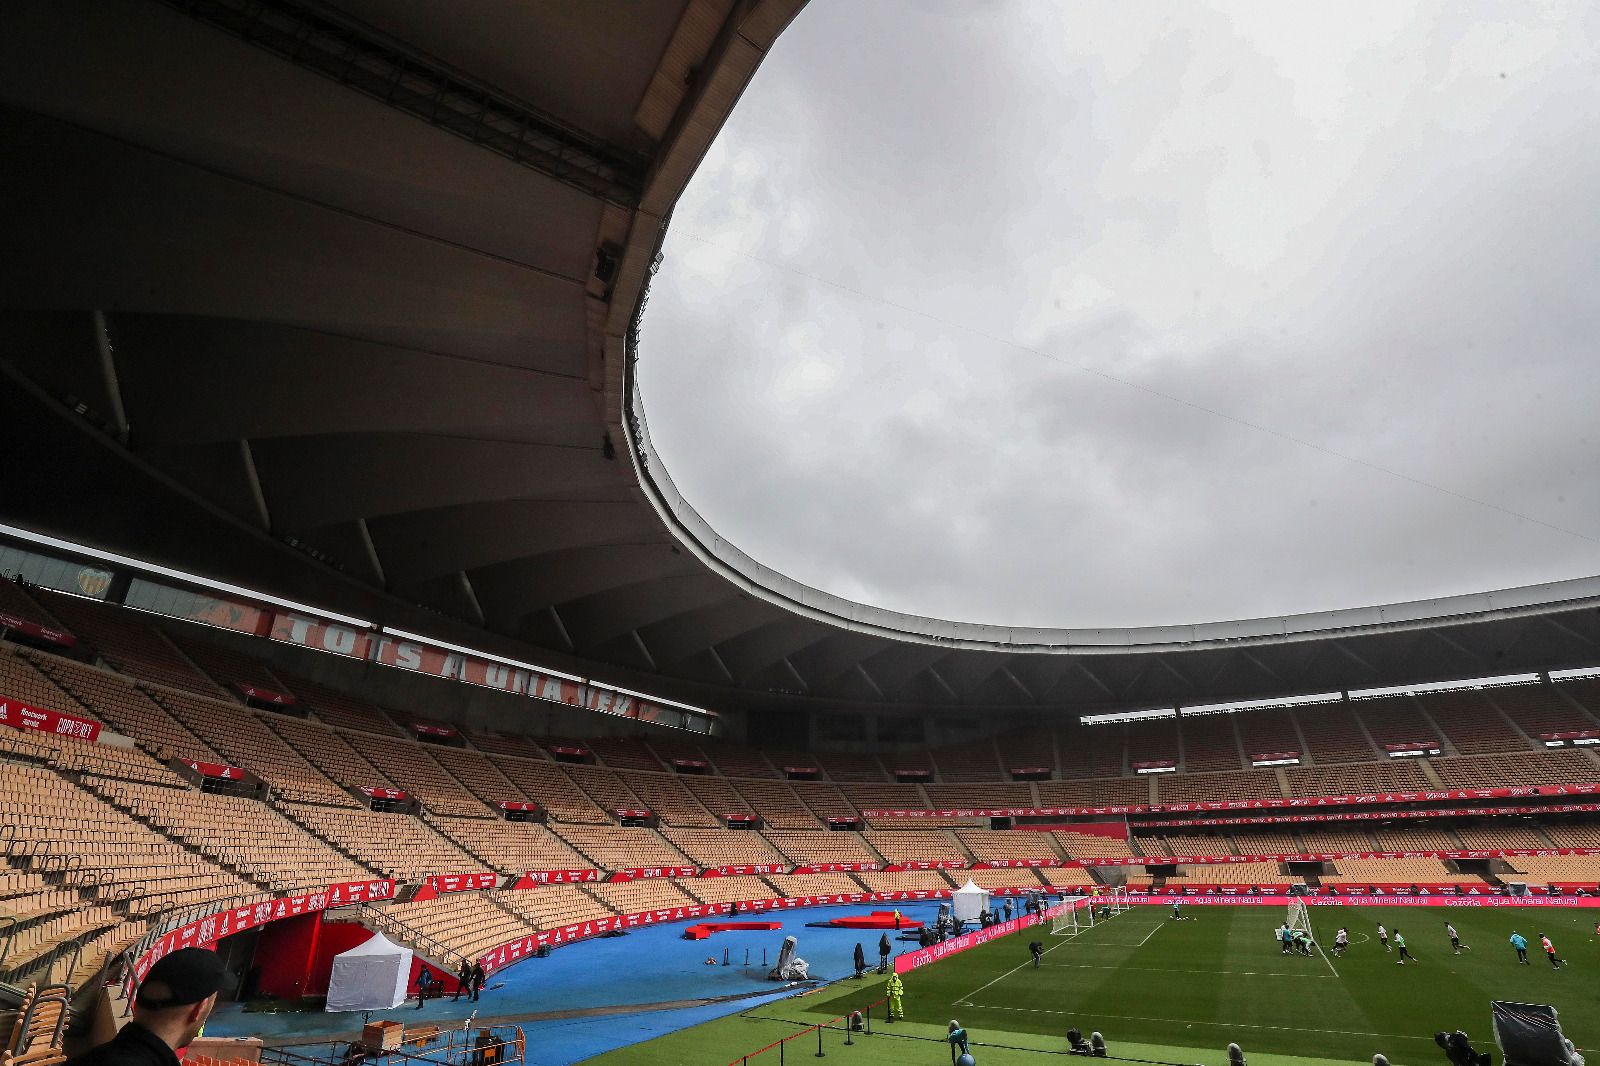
100	555
1568	675
1127	716
1252	705
1445	686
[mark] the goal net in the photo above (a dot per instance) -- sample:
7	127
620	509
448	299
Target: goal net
1071	918
1299	918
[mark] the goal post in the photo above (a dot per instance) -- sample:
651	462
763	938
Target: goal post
1072	918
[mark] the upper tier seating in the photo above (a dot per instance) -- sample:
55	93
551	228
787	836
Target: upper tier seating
1116	791
631	897
717	795
669	797
505	744
605	787
1333	734
789	885
1089	845
779	804
841	766
1415	838
1210	744
1560	766
973	796
1026	749
14	599
1091	751
510	847
667	747
975	761
224	665
720	847
1154	740
478	773
616	847
1472	723
1357	779
339	708
239	833
907	881
727	889
1202	788
329	751
396	845
865	796
624	753
411	767
989	845
136	650
548	785
821	846
736	760
244	740
1394	720
1540	709
113	700
1500	835
1337	841
1266	732
909	845
1268	842
822	799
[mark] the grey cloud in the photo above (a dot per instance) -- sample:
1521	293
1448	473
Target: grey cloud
971	315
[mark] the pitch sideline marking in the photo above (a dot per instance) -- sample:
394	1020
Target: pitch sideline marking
967	1001
1229	1025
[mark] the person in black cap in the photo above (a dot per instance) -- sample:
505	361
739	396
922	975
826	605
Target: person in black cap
169	1010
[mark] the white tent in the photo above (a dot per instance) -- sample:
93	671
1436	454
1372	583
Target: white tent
370	976
967	901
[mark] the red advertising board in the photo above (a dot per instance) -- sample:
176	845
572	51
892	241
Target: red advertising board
569	749
1014	864
472	882
426	729
382	793
631	812
555	877
19	715
1223	860
263	695
926	864
738	871
1373	816
516	805
215	926
644	873
837	867
216	771
48	634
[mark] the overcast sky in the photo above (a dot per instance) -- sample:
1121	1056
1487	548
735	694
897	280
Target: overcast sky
1124	314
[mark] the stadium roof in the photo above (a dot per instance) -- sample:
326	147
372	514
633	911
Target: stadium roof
335	301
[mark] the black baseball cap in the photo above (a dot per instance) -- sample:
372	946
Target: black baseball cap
186	976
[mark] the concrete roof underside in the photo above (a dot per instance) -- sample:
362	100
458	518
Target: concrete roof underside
358	280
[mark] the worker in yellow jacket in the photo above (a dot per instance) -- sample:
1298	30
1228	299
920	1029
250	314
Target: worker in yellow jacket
896	990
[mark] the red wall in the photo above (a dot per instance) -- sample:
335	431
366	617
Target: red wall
335	937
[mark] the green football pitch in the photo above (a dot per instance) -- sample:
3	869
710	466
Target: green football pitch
1179	991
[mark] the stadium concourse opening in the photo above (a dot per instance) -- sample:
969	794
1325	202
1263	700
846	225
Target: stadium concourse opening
357	650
